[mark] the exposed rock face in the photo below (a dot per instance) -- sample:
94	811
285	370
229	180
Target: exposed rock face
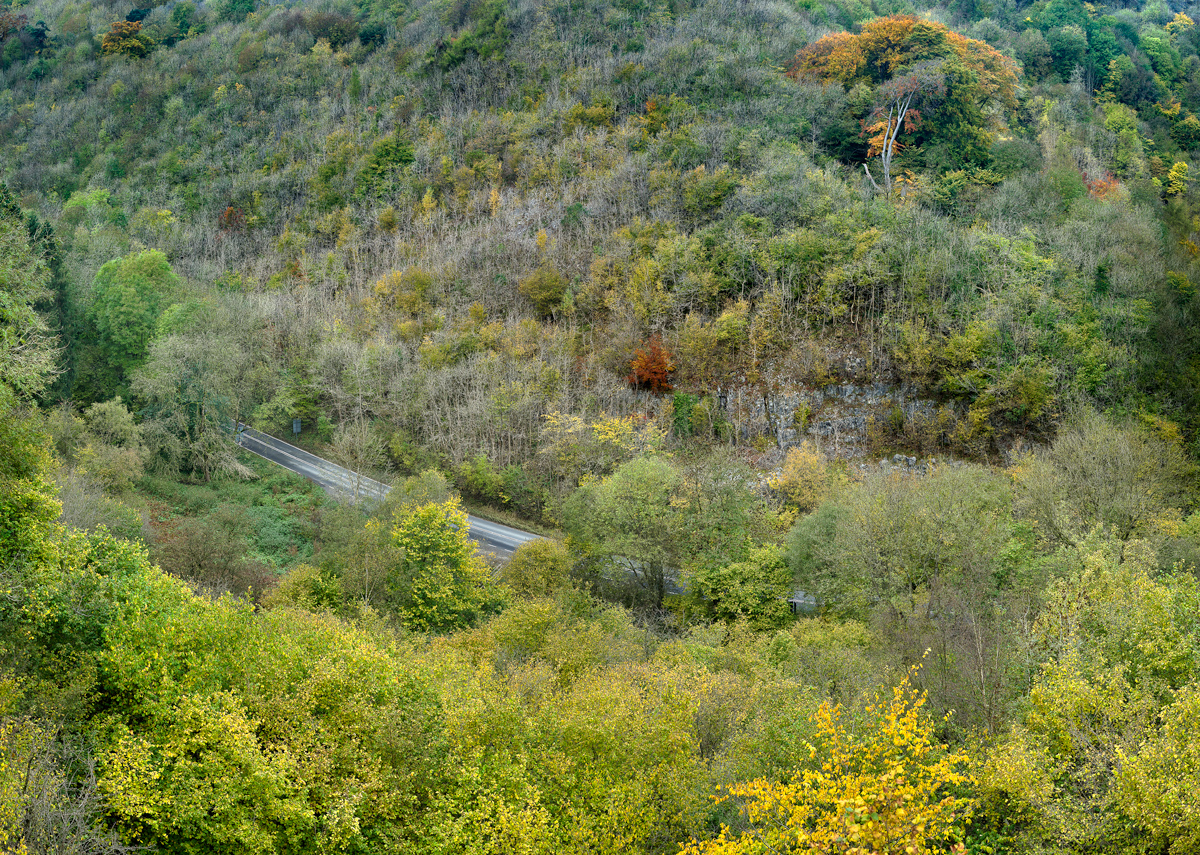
903	465
837	416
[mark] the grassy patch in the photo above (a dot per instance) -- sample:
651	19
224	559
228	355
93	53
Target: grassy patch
269	519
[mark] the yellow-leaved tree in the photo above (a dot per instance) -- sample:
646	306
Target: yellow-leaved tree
805	480
882	787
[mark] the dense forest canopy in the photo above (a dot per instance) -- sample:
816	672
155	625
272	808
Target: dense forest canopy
879	310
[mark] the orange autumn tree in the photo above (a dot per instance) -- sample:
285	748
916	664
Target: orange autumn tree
884	788
652	366
930	83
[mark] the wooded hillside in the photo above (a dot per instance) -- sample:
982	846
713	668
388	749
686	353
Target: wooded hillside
889	304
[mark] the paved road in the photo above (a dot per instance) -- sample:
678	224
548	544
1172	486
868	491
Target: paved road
490	536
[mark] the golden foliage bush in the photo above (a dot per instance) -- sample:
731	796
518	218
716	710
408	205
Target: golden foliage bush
805	481
883	787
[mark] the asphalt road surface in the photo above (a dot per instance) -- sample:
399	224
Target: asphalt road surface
336	480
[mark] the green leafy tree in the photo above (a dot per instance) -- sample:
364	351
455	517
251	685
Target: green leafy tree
356	559
710	355
234	10
54	613
939	563
248	732
755	589
183	15
628	523
1095	759
891	540
720	511
440	583
387	157
544	288
642	526
128	295
188	384
538	568
111	450
28	507
484	34
27	504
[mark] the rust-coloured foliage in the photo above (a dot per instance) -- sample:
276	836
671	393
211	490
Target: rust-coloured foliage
888	45
1102	186
10	23
231	220
652	366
